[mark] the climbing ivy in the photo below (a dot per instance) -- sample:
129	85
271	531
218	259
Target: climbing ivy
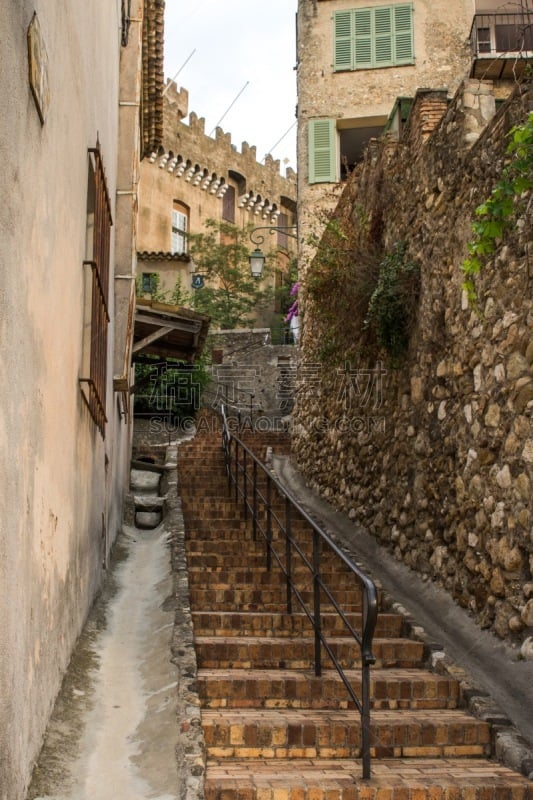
393	302
339	284
498	213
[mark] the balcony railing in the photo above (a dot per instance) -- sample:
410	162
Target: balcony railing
502	45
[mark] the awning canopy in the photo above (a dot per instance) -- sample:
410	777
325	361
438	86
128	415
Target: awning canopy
168	332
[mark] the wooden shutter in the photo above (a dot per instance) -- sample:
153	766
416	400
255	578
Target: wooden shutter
373	37
343	25
403	35
228	205
322	151
383	56
363	38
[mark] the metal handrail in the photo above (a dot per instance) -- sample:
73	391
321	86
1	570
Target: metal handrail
236	406
244	473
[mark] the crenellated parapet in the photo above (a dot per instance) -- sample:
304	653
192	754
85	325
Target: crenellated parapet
206	161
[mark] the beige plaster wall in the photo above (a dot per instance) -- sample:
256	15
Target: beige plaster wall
61	483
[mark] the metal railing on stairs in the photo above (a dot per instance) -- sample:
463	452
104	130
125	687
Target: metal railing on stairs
273	514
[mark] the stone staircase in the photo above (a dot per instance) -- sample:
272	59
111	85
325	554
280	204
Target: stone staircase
275	731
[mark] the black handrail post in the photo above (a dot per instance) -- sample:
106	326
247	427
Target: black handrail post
254	503
245	485
365	719
316	603
227	458
236	471
288	554
269	522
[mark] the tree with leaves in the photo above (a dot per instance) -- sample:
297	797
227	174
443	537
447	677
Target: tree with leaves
230	295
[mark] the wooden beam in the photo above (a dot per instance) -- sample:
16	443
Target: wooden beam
189	326
142	343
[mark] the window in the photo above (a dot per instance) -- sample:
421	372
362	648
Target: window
368	38
180	219
337	146
502	33
228	205
283	238
99	222
322	151
146	282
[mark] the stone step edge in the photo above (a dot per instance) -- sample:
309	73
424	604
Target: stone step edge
386	773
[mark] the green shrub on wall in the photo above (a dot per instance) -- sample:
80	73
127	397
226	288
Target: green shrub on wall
499	213
363	301
392	306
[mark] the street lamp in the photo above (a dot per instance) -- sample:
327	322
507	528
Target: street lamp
257	262
257	258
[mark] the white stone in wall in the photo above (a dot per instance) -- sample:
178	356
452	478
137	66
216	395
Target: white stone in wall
492	417
503	477
526	651
499	373
527	452
478	382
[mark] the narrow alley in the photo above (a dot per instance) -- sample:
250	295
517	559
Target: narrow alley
112	735
127	726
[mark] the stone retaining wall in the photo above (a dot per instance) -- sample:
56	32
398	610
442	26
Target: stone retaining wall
436	457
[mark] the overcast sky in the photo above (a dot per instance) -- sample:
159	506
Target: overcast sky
241	74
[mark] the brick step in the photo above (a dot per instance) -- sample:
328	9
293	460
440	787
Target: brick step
220	623
214	531
238	559
197	519
207	557
231	598
214	506
342	580
210	453
392	779
296	733
389	689
252	652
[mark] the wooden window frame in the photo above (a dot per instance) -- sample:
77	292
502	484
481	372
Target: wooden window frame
179	210
94	386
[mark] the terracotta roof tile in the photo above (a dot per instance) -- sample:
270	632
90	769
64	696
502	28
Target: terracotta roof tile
152	75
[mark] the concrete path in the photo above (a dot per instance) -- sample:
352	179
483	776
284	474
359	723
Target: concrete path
113	732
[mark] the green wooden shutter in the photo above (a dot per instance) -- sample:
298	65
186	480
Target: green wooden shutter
383	37
343	21
362	38
373	37
403	35
322	151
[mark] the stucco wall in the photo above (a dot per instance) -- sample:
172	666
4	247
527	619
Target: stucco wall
165	178
436	458
61	483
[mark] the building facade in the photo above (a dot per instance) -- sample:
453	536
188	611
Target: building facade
70	143
194	177
360	63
